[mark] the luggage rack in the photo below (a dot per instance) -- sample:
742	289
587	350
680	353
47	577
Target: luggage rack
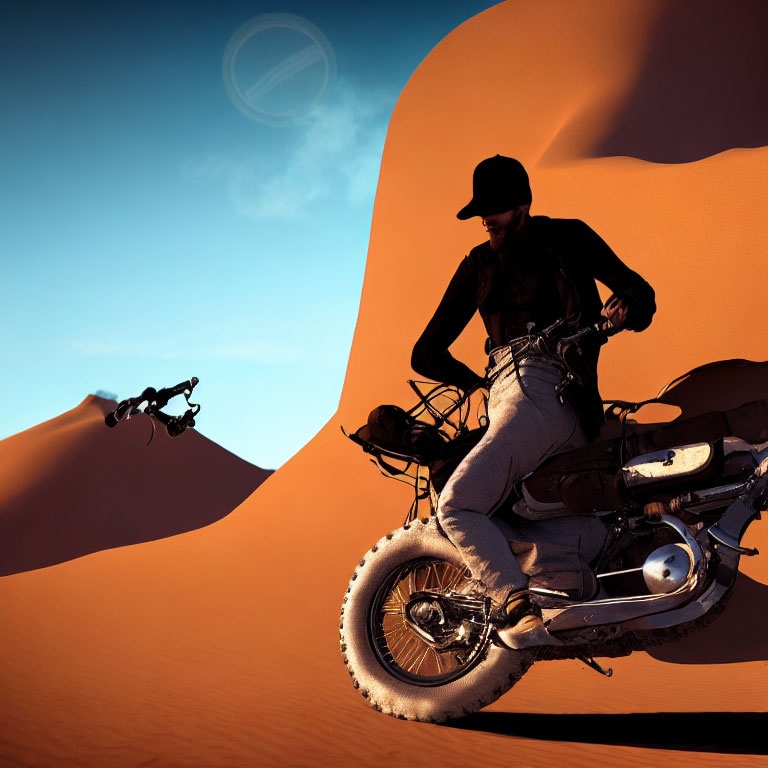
448	421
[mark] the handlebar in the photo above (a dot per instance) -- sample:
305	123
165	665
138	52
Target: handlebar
164	395
175	425
157	400
598	330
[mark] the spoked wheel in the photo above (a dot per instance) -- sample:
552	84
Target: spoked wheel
401	649
391	661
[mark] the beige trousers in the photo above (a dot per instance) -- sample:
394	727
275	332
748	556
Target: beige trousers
527	424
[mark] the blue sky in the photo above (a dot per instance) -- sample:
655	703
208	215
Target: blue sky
154	225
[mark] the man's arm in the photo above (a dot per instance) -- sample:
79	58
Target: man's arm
431	357
629	289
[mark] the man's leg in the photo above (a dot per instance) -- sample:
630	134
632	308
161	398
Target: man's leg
528	423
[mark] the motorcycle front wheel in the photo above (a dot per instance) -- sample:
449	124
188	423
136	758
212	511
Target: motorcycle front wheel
395	669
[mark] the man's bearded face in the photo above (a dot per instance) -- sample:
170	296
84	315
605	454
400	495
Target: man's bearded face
503	228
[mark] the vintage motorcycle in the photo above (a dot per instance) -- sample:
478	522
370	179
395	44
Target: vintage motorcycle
675	499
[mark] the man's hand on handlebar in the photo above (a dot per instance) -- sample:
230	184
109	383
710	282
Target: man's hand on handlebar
615	312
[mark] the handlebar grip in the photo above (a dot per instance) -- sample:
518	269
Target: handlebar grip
597	331
185	385
113	417
164	395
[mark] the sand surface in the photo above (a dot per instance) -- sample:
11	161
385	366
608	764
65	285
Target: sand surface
218	646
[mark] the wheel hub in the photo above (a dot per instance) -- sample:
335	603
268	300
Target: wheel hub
423	629
444	622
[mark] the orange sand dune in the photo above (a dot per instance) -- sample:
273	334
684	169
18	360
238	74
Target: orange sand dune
71	486
219	646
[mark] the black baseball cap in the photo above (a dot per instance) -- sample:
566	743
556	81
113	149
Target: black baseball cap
498	184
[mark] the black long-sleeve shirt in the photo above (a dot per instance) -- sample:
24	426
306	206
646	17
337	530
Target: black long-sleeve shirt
548	273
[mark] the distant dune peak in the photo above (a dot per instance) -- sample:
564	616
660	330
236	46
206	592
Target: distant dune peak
71	486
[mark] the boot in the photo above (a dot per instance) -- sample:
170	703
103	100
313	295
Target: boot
526	632
512	609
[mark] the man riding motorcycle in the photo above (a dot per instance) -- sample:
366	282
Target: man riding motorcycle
531	273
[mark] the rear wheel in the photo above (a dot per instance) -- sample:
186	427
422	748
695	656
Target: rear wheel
399	648
396	669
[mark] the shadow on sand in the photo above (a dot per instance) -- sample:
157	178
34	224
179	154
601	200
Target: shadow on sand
740	733
739	634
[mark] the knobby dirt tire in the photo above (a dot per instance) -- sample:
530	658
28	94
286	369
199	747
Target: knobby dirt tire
485	682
